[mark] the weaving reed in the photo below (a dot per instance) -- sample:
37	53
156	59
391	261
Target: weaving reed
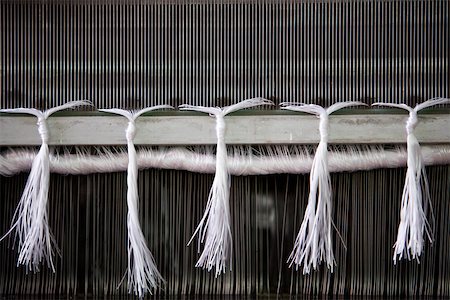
218	53
88	218
145	53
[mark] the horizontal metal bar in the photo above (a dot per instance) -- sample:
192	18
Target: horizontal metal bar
241	129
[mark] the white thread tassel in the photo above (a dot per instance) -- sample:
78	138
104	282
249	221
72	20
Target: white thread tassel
214	228
30	218
143	275
313	243
416	194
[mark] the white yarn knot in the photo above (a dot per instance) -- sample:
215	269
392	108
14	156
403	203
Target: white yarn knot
220	127
214	228
143	275
323	127
413	221
313	243
30	220
43	129
131	130
412	122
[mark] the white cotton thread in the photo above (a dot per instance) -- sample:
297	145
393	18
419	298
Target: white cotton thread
313	243
142	274
30	219
284	159
416	195
214	228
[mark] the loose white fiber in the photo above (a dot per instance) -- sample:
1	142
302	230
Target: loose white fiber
30	218
214	227
278	159
416	195
143	275
313	243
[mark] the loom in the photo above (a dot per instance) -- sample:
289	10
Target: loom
131	55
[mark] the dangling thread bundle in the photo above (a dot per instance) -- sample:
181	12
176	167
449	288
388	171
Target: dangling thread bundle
143	275
30	218
416	194
214	227
313	243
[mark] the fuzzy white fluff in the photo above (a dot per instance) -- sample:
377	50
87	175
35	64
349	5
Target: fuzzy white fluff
313	243
416	195
241	161
214	227
143	275
30	219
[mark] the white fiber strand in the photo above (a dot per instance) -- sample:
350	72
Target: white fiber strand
280	161
142	273
214	228
30	218
295	160
416	195
313	243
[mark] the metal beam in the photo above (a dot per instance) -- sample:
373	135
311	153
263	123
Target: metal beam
366	128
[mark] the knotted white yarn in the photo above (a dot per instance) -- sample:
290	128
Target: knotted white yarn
30	218
143	275
313	243
214	227
416	194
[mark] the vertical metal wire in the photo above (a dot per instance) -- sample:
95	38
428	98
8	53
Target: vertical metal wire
142	53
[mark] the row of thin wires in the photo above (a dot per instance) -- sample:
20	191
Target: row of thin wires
88	217
214	54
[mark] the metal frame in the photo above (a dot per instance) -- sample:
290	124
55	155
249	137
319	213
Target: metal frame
269	127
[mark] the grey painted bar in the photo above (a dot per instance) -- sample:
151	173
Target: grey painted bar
241	129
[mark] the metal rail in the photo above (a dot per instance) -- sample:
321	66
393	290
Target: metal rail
193	129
